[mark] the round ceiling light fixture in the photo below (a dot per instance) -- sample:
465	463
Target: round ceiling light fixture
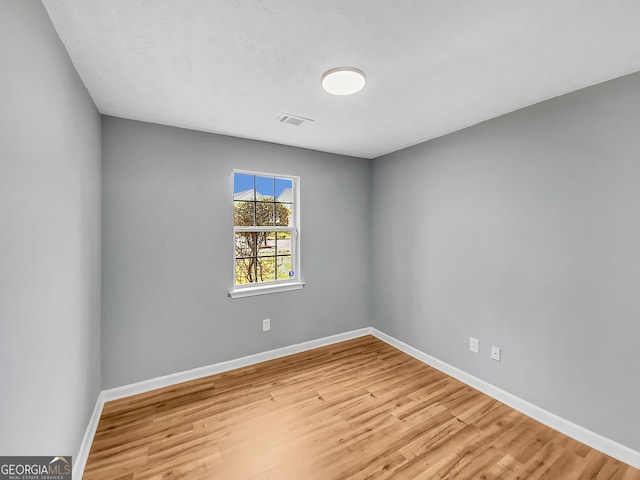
343	81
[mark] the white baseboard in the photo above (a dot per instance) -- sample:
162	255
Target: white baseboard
200	372
87	439
594	440
581	434
175	378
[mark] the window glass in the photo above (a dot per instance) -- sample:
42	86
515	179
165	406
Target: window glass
265	233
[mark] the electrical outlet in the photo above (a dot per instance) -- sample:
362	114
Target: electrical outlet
266	324
473	345
495	353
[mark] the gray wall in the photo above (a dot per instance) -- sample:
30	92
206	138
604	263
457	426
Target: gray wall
524	232
49	240
167	250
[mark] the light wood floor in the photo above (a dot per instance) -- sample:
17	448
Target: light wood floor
354	410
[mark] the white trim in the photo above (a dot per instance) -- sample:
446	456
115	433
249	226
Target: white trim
175	378
265	289
294	229
262	174
577	432
83	453
262	228
594	440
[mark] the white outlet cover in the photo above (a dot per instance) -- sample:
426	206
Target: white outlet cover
474	345
495	353
266	324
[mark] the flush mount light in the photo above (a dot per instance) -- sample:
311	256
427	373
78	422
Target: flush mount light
343	81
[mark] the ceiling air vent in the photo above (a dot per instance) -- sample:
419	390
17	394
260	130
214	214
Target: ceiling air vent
293	120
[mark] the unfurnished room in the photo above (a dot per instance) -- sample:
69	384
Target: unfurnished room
339	239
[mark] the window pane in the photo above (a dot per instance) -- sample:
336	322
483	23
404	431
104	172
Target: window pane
243	187
284	268
264	214
284	243
264	188
284	190
245	271
266	244
246	244
266	269
264	202
284	214
244	214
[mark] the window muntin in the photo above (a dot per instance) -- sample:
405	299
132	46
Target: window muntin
265	229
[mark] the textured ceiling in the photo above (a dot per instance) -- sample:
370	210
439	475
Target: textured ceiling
433	66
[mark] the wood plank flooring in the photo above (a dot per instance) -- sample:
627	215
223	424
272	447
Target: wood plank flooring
354	410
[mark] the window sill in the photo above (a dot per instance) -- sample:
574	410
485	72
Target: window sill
264	289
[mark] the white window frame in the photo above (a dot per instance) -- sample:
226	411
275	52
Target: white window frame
273	286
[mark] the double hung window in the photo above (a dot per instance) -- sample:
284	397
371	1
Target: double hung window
266	233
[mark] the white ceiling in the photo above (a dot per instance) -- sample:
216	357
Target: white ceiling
433	66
